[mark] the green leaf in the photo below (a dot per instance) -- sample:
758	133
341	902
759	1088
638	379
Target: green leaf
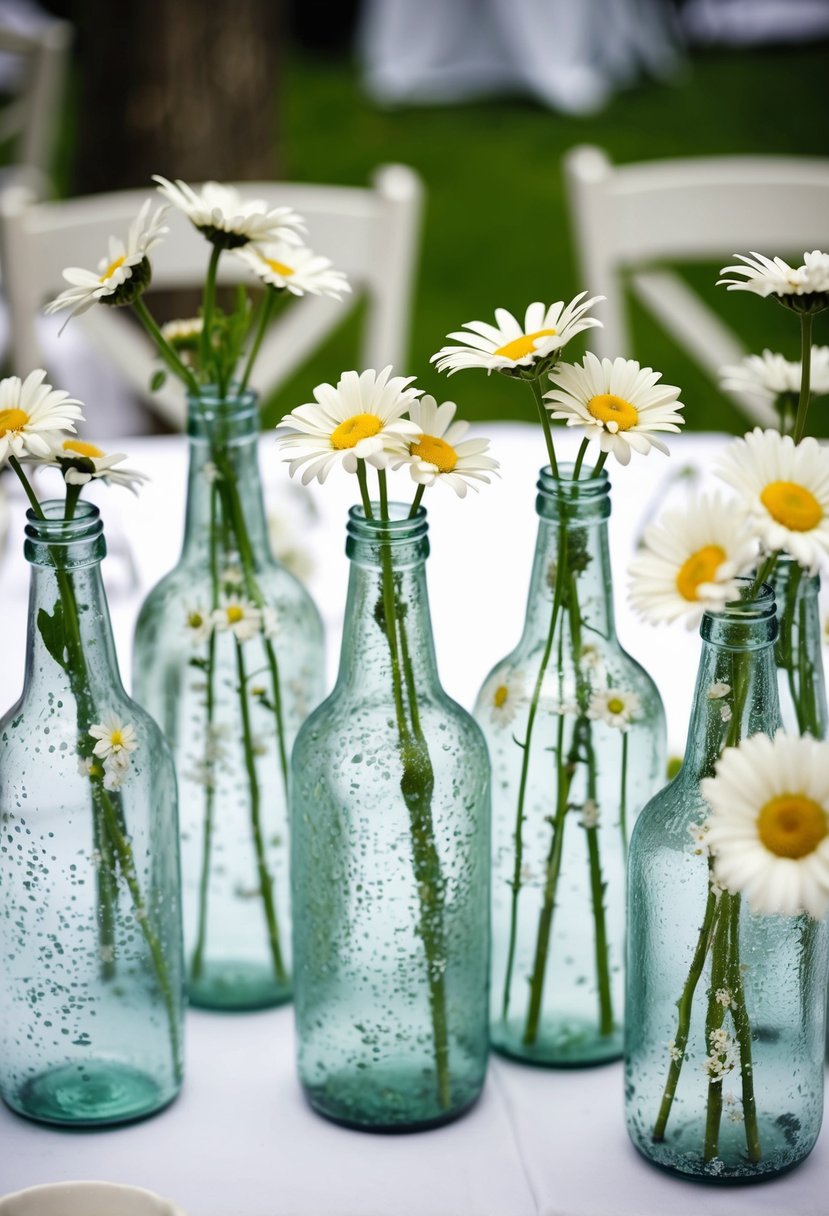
53	631
157	380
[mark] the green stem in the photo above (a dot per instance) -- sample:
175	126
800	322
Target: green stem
362	481
764	573
384	493
163	346
623	799
208	304
265	879
805	375
545	423
715	1016
597	889
585	443
419	492
742	1029
600	463
685	1007
27	487
265	311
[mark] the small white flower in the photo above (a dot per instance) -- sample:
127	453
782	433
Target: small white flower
241	617
209	471
723	997
199	623
769	375
725	713
772	276
122	273
116	768
616	402
508	345
440	452
717	690
721	1060
785	487
502	697
769	823
674	1052
591	658
617	707
295	269
226	219
699	834
82	462
113	737
183	333
106	954
32	414
691	559
360	419
589	817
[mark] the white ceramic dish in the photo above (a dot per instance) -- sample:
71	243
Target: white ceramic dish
87	1199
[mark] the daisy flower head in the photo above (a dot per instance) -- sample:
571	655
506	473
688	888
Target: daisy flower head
242	618
81	462
359	419
198	623
769	823
295	269
516	349
769	376
32	415
690	561
617	707
440	452
114	738
502	697
617	402
122	274
226	219
785	488
802	288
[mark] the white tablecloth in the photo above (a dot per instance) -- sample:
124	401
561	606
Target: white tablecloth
240	1140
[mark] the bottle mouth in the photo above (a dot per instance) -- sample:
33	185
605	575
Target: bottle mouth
751	606
209	406
745	623
587	498
400	526
54	529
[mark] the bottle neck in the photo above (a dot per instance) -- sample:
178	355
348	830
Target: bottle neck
736	690
69	643
387	650
224	491
572	554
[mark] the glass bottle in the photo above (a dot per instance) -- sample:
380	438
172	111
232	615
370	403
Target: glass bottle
228	658
576	734
390	860
91	968
725	1009
800	679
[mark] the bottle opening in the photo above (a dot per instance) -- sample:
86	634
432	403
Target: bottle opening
587	498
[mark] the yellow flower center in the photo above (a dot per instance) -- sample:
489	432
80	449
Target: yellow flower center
349	433
500	696
700	567
435	451
81	448
606	407
116	739
616	705
12	420
792	825
793	506
280	268
525	345
235	613
112	267
195	620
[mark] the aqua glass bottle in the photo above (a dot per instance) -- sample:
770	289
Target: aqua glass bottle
91	967
390	860
228	658
800	677
576	734
725	1009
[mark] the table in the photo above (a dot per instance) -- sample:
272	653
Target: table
240	1141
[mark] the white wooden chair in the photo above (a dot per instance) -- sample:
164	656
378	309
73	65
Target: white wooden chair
29	119
370	233
629	220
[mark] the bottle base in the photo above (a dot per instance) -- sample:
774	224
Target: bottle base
394	1100
90	1095
568	1043
675	1156
237	987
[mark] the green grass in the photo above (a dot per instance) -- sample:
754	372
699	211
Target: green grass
496	228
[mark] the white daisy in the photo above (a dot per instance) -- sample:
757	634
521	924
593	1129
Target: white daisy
122	273
509	345
198	622
241	617
294	269
184	335
360	419
785	487
116	768
440	453
769	823
590	815
617	402
113	737
769	375
226	219
690	560
31	415
718	690
617	707
81	462
803	288
502	697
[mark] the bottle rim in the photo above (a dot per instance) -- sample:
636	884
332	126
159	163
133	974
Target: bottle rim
398	528
54	529
587	489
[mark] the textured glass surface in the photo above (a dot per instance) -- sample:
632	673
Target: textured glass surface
701	965
91	983
230	698
800	678
390	863
567	782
